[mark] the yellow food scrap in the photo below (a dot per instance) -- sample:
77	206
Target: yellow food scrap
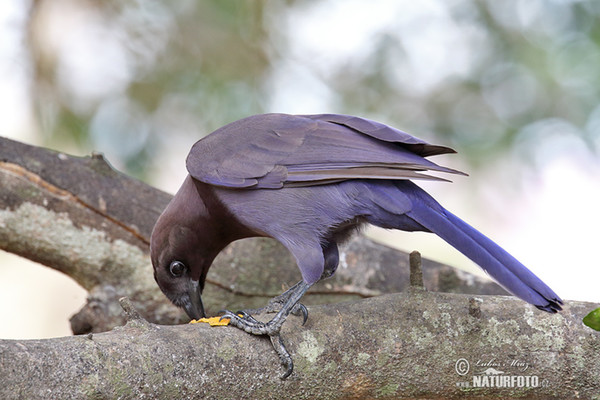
212	321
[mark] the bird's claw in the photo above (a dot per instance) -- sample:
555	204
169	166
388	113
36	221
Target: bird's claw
300	309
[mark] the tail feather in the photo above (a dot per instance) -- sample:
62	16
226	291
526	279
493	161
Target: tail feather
503	267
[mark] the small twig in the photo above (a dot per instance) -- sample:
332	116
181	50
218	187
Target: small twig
475	307
130	311
416	272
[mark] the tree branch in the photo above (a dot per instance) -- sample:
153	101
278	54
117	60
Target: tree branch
347	350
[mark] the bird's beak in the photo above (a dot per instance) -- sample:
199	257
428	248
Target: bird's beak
195	308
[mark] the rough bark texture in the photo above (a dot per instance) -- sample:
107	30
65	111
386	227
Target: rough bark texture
79	216
351	350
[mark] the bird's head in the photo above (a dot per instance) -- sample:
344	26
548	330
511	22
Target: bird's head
179	267
182	248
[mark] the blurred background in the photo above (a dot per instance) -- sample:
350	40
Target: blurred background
513	86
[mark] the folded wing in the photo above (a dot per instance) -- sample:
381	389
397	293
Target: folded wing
277	150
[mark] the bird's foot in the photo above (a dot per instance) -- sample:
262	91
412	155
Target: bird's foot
248	323
289	304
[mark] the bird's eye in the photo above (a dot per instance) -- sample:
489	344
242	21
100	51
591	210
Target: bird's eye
177	268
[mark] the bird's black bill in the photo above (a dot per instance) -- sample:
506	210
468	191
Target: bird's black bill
194	308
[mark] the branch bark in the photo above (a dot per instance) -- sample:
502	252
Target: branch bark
403	345
80	216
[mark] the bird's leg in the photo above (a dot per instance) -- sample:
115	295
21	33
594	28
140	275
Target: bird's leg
276	304
331	260
272	328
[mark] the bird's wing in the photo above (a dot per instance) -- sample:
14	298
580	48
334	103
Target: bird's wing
276	150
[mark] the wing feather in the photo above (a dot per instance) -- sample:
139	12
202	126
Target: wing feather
276	150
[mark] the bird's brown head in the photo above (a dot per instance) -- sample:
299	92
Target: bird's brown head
180	251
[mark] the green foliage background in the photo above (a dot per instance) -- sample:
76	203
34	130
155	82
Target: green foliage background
500	77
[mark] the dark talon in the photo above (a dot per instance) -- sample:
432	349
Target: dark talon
287	373
300	309
304	312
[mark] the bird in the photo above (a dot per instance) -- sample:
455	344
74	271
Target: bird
310	182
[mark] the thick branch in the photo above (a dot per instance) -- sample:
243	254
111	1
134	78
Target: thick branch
347	350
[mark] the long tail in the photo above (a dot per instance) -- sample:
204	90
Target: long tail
503	267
